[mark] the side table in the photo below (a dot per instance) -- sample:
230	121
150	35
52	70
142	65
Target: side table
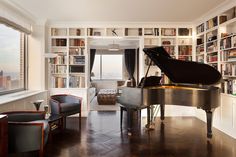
55	121
3	135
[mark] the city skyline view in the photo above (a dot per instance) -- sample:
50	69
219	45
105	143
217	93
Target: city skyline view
9	45
11	72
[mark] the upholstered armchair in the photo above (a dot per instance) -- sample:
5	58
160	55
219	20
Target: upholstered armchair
27	131
65	105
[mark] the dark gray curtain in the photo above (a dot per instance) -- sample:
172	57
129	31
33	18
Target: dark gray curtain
92	57
130	63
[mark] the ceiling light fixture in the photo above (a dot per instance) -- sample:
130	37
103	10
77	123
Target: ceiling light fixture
113	47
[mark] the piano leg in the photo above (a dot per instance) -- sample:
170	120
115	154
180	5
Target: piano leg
148	117
162	106
209	116
129	123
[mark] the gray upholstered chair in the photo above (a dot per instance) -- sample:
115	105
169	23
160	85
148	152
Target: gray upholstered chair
27	131
65	105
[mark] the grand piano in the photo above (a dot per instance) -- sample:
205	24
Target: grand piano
193	84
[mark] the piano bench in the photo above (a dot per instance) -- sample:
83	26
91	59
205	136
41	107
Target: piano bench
130	116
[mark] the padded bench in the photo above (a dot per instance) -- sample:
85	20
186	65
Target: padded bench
106	97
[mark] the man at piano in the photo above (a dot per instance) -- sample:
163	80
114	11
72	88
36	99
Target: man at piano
193	84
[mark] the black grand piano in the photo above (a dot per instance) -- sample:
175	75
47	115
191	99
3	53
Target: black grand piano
192	85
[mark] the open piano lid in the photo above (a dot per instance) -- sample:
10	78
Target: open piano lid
179	71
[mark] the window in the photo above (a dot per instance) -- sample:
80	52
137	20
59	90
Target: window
108	67
12	60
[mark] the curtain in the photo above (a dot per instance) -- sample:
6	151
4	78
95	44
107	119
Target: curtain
92	57
130	63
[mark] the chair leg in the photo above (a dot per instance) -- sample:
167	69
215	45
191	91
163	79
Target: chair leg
64	122
121	116
41	153
80	116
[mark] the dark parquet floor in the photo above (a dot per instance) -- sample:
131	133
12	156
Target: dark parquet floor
100	136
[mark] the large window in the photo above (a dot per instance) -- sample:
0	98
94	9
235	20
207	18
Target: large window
107	67
12	60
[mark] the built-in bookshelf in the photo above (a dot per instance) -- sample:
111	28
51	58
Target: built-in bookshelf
67	69
185	43
168	40
228	56
216	46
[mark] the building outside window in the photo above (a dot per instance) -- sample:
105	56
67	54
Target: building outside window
12	60
108	67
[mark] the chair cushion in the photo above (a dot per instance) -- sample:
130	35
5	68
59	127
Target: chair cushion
69	107
45	128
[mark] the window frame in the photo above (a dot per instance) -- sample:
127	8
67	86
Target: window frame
25	65
101	70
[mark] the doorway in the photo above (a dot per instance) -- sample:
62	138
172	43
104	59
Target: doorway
108	70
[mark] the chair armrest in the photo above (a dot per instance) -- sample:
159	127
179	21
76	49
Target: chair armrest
25	116
73	99
25	136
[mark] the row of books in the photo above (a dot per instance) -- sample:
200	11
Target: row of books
77	82
59	60
211	23
212	47
185	50
229	55
58	69
228	87
77	42
59	82
185	58
200	49
228	69
77	59
200	28
212	58
225	43
76	51
170	49
228	42
59	42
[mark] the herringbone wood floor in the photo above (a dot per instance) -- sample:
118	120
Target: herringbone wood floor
101	136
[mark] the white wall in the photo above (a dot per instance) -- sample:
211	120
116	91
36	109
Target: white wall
36	50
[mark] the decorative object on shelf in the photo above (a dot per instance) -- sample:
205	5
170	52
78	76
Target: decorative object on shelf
114	32
37	104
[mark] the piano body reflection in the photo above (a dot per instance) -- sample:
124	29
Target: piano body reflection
192	86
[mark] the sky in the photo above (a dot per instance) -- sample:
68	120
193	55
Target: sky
9	49
112	66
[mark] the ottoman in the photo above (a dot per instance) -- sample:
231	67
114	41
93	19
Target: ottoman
106	97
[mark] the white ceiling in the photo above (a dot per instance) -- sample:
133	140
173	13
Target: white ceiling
118	10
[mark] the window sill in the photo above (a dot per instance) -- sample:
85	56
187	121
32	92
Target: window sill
17	96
